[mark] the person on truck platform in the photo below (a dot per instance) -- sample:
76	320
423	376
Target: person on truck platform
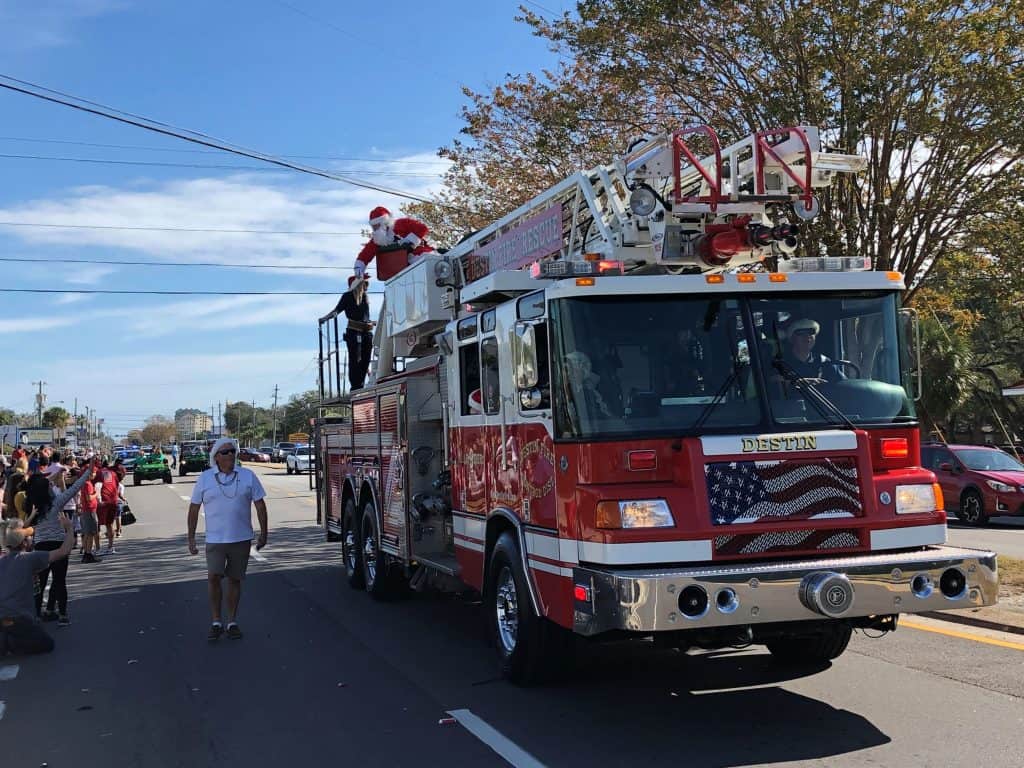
388	232
359	334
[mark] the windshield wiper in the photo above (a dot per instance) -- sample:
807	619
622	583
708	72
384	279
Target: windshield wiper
821	404
719	396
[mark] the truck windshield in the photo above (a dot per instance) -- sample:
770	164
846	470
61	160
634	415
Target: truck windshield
650	365
664	365
846	347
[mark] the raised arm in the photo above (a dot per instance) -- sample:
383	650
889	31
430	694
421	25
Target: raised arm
65	496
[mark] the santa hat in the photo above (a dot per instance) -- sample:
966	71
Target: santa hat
380	215
411	231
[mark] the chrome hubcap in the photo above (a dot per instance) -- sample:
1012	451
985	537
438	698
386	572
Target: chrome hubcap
350	547
370	557
507	609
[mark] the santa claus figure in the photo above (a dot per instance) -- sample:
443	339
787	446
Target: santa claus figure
389	233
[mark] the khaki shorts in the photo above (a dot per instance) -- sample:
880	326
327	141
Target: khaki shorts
229	560
88	521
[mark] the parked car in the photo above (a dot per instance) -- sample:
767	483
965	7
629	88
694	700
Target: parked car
300	459
253	454
281	450
978	482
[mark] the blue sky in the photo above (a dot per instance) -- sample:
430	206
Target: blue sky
380	89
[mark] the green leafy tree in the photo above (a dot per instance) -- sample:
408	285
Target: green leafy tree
930	91
56	417
7	416
158	430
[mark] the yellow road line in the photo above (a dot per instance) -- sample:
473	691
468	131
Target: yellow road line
964	635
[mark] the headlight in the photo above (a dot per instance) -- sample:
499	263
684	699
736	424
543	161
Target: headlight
995	485
916	498
648	513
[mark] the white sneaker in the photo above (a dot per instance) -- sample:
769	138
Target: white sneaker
110	551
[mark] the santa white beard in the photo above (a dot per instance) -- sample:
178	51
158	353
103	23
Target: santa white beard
383	236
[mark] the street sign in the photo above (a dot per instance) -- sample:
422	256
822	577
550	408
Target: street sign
36	437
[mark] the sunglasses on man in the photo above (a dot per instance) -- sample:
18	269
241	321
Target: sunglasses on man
805	332
226	452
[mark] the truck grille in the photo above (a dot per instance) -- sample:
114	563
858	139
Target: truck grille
790	489
785	541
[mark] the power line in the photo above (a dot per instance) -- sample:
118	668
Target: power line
174	293
230	265
202	166
101	110
177	150
174	229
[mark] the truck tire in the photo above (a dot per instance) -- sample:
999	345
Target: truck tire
812	649
168	478
351	552
287	469
374	562
181	470
531	649
972	508
136	480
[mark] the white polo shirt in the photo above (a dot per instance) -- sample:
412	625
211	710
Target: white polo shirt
227	501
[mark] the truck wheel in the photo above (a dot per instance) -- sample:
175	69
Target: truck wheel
181	471
972	508
810	649
530	648
287	469
168	478
351	554
375	565
136	480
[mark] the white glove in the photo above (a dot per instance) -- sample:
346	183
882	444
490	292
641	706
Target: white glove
411	239
360	268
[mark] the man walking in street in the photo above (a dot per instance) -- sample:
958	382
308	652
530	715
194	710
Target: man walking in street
227	492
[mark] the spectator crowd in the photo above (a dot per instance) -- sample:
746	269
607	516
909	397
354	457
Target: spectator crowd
53	503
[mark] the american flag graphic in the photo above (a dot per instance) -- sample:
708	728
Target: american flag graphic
785	541
756	491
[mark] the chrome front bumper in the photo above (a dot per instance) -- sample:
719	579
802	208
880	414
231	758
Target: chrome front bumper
738	594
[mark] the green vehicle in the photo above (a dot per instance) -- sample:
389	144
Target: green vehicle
193	456
152	466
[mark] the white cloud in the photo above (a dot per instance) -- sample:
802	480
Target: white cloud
26	25
238	202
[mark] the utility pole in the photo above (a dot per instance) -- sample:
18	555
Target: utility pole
254	422
213	420
220	415
40	401
275	415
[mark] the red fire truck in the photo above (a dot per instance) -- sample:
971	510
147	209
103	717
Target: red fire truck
630	408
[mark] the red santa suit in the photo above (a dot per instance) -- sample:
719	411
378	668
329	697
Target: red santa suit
411	233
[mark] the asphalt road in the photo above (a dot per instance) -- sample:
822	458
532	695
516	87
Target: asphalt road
1003	535
325	675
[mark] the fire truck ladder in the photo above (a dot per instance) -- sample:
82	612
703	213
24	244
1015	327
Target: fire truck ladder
609	209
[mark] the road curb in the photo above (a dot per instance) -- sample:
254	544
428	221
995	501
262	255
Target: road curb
971	621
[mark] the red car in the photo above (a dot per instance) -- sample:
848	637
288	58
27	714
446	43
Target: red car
251	454
978	482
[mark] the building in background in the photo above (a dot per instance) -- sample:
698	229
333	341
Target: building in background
192	424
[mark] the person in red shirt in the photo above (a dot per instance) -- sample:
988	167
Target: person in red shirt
106	513
387	231
88	502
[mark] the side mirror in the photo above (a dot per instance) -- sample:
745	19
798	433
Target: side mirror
910	357
524	356
946	467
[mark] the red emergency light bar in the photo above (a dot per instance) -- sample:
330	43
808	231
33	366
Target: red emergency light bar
554	270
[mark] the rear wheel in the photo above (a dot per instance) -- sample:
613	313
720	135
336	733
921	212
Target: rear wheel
136	480
530	648
351	553
181	470
287	469
375	565
823	646
168	478
972	508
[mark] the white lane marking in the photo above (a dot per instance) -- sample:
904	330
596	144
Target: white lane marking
9	672
509	750
184	498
